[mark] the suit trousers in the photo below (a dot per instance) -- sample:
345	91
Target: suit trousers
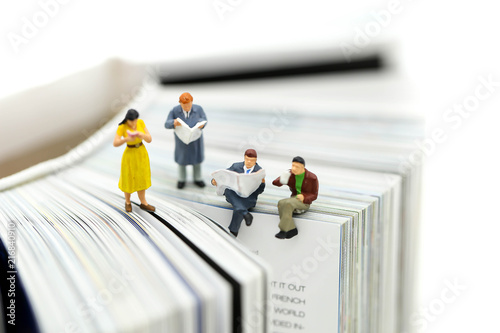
240	208
286	208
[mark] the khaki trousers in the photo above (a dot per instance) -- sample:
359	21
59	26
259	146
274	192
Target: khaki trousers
286	208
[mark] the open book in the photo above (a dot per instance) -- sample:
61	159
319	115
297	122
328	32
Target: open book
243	184
350	269
188	134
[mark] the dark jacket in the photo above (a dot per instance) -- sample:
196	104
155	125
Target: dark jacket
309	189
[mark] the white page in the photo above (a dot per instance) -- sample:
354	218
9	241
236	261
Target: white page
304	289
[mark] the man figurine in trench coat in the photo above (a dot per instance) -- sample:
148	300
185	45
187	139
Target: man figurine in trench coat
192	153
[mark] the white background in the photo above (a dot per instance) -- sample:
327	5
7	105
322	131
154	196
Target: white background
444	48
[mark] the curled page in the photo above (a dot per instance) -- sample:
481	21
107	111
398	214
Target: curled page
243	184
188	134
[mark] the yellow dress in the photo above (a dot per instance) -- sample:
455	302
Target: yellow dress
135	172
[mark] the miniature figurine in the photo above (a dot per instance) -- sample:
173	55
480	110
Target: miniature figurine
304	187
242	205
135	175
192	153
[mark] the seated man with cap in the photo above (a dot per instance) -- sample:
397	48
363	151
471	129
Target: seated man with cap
304	187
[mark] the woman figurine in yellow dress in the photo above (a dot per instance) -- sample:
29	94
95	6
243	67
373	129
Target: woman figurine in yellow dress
135	173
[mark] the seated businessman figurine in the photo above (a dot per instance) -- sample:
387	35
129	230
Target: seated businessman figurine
242	205
304	187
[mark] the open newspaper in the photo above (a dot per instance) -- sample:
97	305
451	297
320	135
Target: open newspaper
188	134
243	184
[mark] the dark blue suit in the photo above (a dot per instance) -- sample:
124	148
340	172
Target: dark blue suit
241	205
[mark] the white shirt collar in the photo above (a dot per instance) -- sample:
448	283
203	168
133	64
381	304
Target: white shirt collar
245	168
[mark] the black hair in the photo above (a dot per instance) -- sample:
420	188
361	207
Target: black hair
131	115
299	160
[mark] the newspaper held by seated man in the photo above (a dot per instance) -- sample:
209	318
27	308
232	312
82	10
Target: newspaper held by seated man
243	184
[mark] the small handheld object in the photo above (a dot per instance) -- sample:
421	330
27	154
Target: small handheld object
285	176
132	134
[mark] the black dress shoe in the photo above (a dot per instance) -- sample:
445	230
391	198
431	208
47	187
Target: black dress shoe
200	183
235	234
181	184
280	235
292	233
248	219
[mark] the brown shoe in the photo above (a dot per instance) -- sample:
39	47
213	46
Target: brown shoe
128	207
148	208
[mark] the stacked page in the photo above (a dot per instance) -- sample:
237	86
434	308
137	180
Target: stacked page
349	269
